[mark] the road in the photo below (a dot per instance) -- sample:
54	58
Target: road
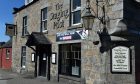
2	81
8	77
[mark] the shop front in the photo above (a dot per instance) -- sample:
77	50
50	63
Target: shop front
69	57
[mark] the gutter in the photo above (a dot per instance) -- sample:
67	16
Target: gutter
16	10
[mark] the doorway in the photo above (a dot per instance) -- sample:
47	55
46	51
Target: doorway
44	53
43	64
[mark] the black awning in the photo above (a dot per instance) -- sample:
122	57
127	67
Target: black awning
37	38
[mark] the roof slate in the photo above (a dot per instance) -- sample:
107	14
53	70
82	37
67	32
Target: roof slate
37	38
1	44
16	10
8	44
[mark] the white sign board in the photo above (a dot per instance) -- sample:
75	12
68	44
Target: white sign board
33	57
120	59
54	58
75	70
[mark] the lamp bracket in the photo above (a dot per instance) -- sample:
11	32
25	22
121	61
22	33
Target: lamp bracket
102	18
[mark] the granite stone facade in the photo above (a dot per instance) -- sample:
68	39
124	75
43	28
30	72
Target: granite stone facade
95	59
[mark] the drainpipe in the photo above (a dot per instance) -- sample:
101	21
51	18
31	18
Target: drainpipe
1	57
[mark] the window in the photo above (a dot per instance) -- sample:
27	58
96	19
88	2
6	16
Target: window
75	12
70	59
7	54
23	56
24	31
44	19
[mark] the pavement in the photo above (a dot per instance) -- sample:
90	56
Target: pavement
8	77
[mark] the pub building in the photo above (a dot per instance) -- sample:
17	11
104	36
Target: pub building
51	40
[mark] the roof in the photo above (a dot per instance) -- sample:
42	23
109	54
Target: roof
8	44
37	38
1	44
16	10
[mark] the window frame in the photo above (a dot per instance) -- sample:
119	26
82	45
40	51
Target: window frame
64	58
25	26
8	53
23	62
43	20
73	11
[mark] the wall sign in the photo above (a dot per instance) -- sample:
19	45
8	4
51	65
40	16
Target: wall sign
59	15
120	59
33	57
72	35
75	70
53	58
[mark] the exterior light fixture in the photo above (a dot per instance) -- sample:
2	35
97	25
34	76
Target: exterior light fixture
88	17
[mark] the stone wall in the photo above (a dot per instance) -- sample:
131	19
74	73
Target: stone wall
33	16
95	59
96	62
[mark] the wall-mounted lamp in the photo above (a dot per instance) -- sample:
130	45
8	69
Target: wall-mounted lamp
88	17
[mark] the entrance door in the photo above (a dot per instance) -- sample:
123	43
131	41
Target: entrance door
44	53
42	64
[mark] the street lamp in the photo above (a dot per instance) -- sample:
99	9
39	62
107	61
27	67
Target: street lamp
88	17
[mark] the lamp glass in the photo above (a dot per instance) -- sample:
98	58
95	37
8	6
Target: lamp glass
88	18
88	22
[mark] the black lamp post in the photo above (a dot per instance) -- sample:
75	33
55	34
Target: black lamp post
88	17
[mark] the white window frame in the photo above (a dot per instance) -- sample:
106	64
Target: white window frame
8	53
23	62
43	20
25	26
78	8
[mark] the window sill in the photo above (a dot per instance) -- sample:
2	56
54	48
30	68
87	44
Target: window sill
79	26
78	79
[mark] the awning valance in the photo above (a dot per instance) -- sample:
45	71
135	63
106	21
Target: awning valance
37	38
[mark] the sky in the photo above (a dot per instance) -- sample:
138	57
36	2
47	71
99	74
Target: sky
6	16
